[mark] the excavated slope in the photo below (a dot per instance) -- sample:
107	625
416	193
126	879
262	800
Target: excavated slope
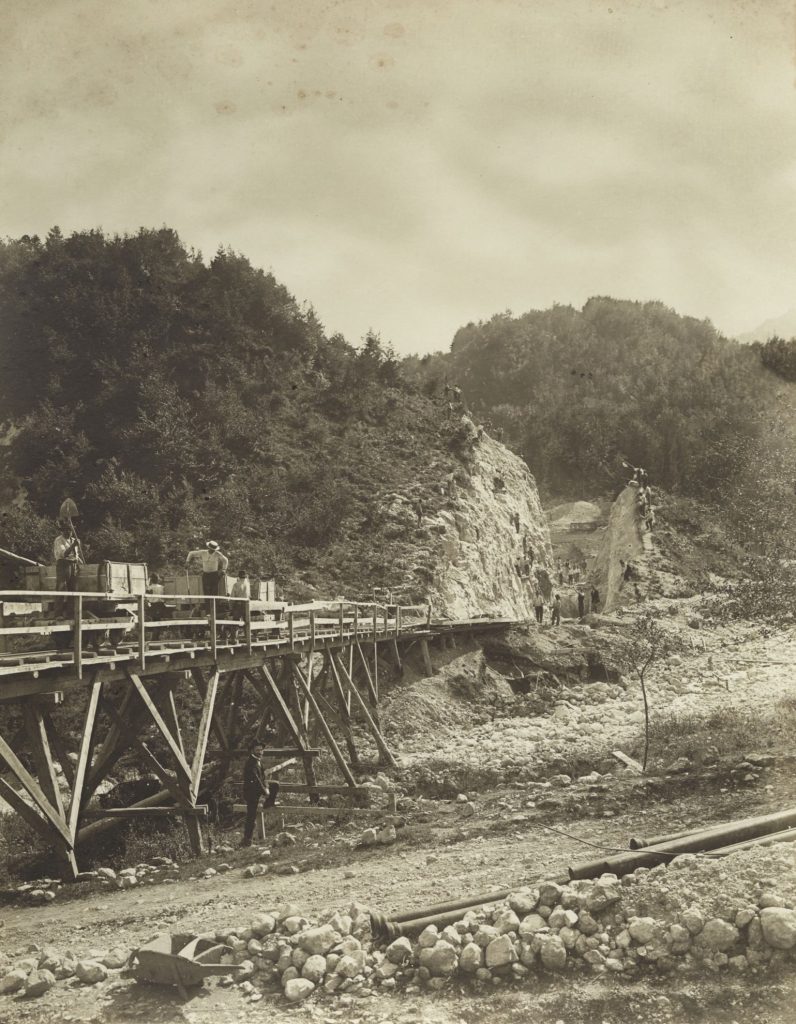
624	542
480	544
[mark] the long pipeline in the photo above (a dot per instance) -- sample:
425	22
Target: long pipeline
708	839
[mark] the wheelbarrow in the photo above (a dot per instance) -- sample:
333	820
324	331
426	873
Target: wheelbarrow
179	960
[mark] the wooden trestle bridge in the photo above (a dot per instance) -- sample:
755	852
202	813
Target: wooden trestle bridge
304	673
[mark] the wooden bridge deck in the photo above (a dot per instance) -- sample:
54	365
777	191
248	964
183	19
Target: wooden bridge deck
309	672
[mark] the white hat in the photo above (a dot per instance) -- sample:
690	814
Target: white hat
211	544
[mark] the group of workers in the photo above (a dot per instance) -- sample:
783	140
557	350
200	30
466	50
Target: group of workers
640	481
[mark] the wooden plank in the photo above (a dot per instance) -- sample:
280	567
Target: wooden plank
303	811
203	734
34	791
108	754
327	732
83	757
220	732
247	626
628	761
98	813
211	622
78	636
40	748
182	764
57	743
43	826
381	743
141	602
427	666
170	717
173	787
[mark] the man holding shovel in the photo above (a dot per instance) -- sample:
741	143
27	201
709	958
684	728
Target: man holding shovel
66	556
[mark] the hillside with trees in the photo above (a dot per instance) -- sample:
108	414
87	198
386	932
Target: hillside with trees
575	391
175	399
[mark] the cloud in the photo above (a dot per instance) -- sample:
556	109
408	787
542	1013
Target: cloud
414	164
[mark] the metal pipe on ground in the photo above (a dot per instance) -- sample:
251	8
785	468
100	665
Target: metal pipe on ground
441	914
788	836
98	827
709	839
639	843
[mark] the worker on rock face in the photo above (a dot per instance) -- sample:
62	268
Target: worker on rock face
214	565
255	787
556	614
581	603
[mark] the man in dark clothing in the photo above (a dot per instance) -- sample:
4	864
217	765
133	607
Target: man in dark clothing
255	786
581	603
556	616
66	555
419	510
538	607
595	598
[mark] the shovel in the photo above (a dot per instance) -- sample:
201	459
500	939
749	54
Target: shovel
67	512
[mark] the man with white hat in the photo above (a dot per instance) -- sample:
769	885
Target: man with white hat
214	566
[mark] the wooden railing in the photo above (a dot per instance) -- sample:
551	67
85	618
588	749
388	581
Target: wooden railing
226	623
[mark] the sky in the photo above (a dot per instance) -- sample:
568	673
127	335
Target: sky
409	166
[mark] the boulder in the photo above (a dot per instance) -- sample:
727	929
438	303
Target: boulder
779	927
507	921
297	989
441	960
471	958
399	951
13	981
90	972
500	952
319	940
263	924
314	968
115	959
39	982
693	919
553	954
428	937
530	925
643	929
718	935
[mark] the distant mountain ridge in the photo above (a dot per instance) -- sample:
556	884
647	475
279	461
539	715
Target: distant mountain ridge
783	326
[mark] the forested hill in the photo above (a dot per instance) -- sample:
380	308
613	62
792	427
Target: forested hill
177	400
577	390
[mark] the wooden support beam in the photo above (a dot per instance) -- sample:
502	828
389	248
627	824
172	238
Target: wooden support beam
427	666
34	791
57	743
344	717
292	726
202	735
77	635
83	757
386	755
141	609
373	693
116	741
201	685
178	795
100	813
327	732
163	729
171	719
42	757
211	622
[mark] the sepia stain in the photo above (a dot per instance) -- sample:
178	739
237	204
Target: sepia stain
225	107
383	61
394	30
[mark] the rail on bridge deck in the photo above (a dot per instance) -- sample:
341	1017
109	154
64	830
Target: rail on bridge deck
296	675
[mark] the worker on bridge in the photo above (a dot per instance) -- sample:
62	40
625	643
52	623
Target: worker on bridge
255	787
67	558
213	564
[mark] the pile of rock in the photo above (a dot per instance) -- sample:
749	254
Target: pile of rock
697	914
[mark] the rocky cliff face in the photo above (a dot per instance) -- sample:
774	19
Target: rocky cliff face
481	544
624	544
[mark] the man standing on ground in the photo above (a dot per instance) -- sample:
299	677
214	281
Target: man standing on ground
556	617
581	603
538	607
255	787
595	598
